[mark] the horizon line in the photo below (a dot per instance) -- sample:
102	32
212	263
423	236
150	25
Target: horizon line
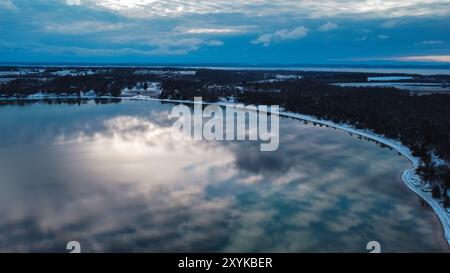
222	64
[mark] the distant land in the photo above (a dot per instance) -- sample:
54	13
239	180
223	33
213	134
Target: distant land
256	65
424	69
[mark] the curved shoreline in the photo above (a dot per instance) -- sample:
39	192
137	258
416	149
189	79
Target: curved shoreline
408	176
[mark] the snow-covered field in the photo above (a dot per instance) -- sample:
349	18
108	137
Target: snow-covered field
20	72
68	72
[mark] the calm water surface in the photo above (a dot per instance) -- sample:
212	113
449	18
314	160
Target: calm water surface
111	177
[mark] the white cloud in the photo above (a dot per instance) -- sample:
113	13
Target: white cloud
390	24
209	30
328	26
296	33
372	38
156	47
374	2
432	42
265	39
7	4
73	2
83	27
428	58
305	8
160	25
215	43
173	46
280	35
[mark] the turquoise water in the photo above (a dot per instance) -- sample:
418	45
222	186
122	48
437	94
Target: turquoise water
112	177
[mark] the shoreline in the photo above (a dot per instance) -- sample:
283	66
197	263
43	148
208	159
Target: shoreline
408	176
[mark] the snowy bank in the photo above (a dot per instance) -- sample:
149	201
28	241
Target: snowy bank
409	176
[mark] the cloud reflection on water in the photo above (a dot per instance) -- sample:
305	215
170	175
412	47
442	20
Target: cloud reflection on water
113	178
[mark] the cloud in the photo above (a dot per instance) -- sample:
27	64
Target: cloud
83	27
390	24
429	58
73	2
156	47
305	9
280	35
360	39
179	47
148	27
208	30
432	42
327	27
372	38
215	43
7	4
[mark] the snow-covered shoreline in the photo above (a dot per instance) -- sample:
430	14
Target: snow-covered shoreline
408	177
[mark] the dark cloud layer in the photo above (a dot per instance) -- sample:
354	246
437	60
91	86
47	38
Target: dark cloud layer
224	31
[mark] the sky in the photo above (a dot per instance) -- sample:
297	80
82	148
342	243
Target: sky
226	31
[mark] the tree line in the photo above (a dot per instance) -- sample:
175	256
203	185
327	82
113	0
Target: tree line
422	123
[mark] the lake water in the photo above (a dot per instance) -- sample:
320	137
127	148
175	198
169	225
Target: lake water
111	177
